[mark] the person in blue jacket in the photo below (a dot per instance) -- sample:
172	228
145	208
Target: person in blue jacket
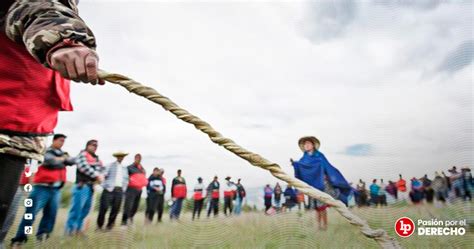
314	169
290	198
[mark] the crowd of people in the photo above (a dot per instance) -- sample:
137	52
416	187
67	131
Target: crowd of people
122	188
314	169
443	188
459	185
279	200
49	49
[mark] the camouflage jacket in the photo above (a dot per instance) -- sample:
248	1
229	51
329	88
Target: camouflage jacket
39	25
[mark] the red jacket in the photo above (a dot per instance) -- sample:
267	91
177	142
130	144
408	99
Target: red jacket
198	195
137	177
31	95
23	179
45	175
52	171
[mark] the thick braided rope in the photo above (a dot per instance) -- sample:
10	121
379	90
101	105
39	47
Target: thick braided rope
379	235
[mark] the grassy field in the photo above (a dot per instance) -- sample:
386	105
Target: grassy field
255	230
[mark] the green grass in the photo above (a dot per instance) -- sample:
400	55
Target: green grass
255	230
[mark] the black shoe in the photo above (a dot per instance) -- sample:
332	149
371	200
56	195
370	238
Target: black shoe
42	237
18	242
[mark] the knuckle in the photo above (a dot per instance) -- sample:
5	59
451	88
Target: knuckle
91	64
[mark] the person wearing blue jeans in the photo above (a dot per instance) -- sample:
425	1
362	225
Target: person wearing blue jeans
46	194
46	198
178	193
89	170
239	198
80	207
176	208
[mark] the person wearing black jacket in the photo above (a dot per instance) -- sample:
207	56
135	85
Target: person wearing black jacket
156	190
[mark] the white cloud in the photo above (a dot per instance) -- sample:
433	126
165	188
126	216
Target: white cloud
250	70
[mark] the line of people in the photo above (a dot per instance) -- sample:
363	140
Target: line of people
273	198
459	185
122	187
234	194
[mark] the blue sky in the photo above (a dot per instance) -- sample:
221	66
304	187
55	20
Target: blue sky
385	85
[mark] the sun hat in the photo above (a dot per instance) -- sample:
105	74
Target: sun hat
120	154
312	139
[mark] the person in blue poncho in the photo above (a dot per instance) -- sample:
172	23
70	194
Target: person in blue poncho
314	169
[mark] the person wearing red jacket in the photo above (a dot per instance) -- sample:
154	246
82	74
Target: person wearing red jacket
213	192
229	195
198	197
43	44
402	188
178	194
89	171
46	194
136	182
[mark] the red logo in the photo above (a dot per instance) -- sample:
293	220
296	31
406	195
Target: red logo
404	227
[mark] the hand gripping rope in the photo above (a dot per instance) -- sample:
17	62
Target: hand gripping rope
379	235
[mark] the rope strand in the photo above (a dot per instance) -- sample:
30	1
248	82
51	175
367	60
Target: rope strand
379	235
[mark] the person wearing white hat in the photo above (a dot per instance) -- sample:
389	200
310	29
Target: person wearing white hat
229	194
115	184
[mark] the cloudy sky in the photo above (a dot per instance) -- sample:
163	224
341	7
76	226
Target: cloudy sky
385	85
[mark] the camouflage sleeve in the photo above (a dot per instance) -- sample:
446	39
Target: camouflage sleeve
41	24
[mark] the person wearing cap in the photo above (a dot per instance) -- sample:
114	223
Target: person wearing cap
115	184
314	169
156	190
46	193
229	194
240	195
178	194
213	192
89	171
136	182
198	197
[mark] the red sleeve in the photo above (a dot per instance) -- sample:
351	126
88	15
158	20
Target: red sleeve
23	179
